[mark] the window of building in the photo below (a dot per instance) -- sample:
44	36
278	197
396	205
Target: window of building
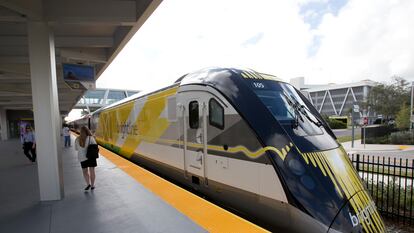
131	93
193	115
93	97
216	114
114	96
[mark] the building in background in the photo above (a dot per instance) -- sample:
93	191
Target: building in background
95	99
337	99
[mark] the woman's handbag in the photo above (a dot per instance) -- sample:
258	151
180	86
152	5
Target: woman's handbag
93	151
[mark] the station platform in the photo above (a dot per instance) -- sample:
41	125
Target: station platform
127	198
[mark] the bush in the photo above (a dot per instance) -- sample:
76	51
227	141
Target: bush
403	117
402	138
392	197
377	140
335	124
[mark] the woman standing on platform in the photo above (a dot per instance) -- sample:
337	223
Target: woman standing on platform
88	165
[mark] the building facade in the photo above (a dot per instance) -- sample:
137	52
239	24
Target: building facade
337	99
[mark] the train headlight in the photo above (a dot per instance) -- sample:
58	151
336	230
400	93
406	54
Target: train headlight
296	167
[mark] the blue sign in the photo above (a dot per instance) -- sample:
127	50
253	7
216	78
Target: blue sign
76	73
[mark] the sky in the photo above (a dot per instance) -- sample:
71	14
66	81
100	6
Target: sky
325	41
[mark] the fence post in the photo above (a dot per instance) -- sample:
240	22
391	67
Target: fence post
357	163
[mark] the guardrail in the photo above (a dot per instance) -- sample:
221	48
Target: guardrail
389	181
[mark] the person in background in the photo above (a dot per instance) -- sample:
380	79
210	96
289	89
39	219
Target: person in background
88	165
29	143
66	135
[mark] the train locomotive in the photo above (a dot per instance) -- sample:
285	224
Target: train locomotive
246	140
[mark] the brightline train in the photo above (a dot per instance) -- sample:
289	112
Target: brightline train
246	140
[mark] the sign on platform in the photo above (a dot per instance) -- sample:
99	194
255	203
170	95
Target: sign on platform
79	77
75	85
78	73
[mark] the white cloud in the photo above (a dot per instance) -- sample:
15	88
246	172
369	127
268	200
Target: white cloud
366	39
184	36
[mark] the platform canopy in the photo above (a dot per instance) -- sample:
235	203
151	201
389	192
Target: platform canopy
90	32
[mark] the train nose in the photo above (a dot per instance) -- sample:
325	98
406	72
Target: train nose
359	214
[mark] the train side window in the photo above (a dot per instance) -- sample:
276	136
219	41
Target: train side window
193	114
216	114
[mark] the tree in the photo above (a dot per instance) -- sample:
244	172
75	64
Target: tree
387	99
403	117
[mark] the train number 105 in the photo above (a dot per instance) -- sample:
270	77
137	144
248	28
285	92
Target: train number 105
258	85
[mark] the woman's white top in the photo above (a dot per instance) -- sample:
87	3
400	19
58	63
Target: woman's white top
82	150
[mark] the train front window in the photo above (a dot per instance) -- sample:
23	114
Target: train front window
277	105
288	108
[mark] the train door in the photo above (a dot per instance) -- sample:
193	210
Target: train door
193	108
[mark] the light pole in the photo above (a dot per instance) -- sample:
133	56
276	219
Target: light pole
411	109
355	108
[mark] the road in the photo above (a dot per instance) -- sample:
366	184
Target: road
345	132
388	151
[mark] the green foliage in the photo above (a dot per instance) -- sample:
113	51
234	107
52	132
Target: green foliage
378	140
396	138
335	124
392	196
325	117
403	117
402	138
387	99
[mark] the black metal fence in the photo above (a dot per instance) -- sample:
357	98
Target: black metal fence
389	181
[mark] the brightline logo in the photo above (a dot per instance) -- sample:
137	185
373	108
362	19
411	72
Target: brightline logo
363	215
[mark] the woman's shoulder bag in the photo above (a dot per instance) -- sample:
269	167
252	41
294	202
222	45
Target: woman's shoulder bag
93	150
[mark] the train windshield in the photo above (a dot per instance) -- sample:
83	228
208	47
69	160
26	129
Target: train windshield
285	104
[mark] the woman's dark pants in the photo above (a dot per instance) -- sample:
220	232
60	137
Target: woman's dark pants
28	146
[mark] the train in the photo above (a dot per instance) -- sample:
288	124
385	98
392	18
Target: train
246	140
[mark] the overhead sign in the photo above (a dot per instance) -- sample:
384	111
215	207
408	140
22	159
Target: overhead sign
78	73
81	85
75	85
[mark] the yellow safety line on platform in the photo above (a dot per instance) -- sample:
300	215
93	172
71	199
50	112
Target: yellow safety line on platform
403	147
207	215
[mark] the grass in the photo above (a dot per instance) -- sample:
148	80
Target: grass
392	199
348	138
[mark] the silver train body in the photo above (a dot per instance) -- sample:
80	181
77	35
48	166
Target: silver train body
247	141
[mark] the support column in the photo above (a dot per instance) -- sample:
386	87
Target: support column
3	125
46	110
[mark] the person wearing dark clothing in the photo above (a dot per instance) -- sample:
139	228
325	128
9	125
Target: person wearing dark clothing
29	143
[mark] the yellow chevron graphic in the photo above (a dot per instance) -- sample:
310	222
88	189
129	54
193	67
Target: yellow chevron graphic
150	124
110	119
335	165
